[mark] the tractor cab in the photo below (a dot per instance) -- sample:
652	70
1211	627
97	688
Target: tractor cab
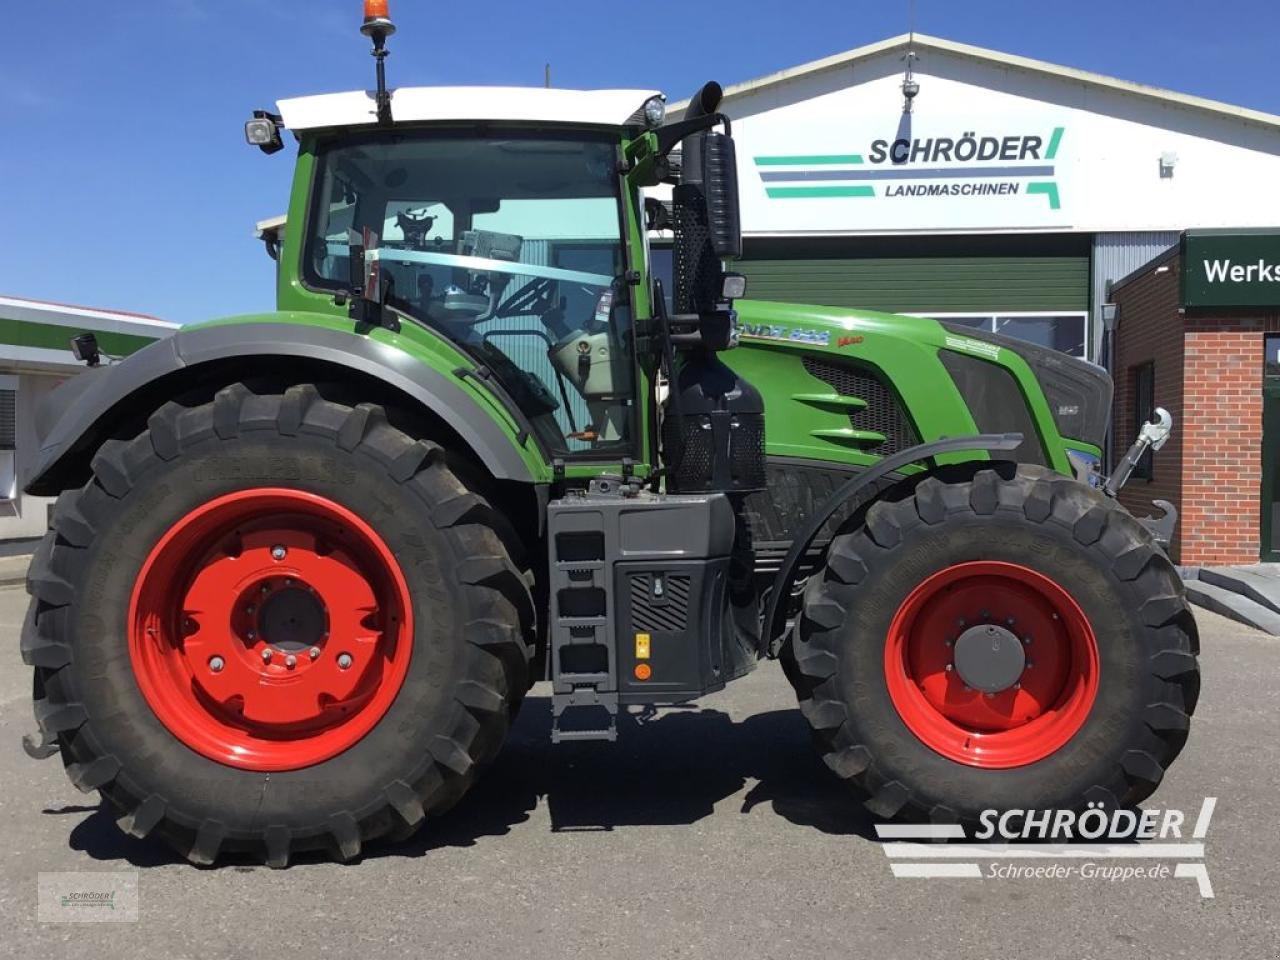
512	223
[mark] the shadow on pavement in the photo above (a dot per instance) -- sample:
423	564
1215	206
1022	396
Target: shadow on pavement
669	770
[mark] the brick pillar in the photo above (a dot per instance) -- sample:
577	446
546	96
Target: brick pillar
1222	439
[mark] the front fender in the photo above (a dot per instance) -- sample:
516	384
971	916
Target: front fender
72	419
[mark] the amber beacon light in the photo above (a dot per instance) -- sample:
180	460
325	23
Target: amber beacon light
377	27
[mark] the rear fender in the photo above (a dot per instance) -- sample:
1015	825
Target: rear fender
77	416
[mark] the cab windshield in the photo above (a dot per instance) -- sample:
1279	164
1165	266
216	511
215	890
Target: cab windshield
509	245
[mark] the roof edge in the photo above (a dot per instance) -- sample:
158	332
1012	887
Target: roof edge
925	42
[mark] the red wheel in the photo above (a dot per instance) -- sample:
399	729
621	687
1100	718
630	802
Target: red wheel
991	664
270	629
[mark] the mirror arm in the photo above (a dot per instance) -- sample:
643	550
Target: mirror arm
671	134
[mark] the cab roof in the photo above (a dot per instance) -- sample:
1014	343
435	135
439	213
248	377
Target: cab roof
612	108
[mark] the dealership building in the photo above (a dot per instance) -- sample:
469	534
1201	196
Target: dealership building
1015	196
35	356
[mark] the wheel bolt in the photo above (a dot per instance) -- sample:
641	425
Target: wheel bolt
314	653
216	664
1026	641
278	552
250	634
949	668
344	660
1030	664
266	655
291	661
1010	622
249	609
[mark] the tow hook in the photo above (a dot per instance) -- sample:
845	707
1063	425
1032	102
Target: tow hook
1153	435
40	745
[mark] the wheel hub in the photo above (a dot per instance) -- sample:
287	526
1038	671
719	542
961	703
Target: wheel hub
991	664
270	629
293	618
989	658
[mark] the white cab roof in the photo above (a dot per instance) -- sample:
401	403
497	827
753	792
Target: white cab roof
614	108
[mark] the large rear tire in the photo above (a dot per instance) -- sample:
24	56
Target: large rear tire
1007	640
272	624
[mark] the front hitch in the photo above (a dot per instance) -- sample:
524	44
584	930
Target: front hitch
1153	435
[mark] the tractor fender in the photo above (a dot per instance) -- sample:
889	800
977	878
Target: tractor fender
69	417
773	626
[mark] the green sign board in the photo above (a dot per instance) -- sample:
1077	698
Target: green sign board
1231	268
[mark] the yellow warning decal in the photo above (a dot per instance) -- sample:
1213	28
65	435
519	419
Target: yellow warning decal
642	646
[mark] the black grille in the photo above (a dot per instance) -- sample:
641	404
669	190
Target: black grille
666	614
689	449
883	412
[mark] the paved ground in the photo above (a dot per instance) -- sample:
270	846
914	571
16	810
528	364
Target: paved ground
707	833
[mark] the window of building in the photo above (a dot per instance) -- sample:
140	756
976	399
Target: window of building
8	437
1060	331
1143	378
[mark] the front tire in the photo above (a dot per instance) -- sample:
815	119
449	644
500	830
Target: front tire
272	624
1007	640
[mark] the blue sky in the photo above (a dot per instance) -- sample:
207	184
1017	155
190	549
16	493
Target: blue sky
126	182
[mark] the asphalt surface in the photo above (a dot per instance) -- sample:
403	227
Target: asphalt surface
710	832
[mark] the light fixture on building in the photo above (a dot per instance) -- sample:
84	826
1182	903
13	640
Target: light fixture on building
1168	160
1110	314
910	85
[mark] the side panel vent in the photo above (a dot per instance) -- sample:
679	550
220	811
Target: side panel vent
883	413
663	611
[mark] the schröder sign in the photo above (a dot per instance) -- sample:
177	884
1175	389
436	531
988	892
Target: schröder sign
1230	268
957	165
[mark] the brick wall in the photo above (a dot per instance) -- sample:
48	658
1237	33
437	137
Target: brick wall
1222	470
1150	331
1208	374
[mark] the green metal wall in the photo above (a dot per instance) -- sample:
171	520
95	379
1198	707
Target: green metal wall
944	275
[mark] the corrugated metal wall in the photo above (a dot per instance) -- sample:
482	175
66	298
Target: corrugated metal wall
922	284
1115	256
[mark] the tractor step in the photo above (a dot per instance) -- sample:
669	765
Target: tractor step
590	715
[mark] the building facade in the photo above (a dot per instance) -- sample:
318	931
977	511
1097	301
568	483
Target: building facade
1006	193
1197	331
35	356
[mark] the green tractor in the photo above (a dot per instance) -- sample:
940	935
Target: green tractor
304	566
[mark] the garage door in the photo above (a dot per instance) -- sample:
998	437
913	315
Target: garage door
929	285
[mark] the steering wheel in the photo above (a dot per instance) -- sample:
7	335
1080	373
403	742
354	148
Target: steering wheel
535	297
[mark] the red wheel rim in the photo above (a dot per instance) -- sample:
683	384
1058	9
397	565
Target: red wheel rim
1033	715
270	629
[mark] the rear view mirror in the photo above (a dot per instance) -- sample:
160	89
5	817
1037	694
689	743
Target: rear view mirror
705	220
720	193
